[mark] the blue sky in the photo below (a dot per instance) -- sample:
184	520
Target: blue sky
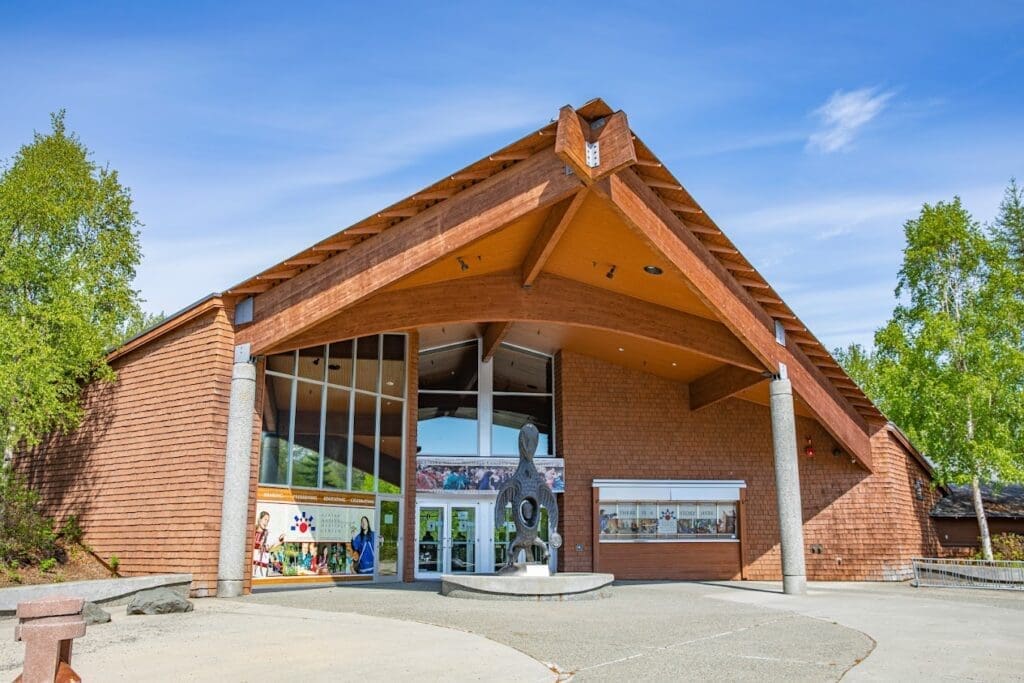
809	135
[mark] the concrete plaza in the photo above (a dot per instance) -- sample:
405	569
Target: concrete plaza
648	631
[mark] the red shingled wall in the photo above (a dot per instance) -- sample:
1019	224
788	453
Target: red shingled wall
145	470
617	423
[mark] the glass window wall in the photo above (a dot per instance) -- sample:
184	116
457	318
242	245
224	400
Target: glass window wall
334	416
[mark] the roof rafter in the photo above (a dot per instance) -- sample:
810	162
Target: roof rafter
320	292
715	286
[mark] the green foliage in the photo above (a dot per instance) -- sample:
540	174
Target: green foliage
949	366
1008	547
114	563
1005	547
68	251
71	531
48	565
25	535
139	322
1008	228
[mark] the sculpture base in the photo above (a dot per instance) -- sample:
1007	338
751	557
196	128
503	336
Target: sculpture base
559	587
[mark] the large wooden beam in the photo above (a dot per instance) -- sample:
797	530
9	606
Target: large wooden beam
323	290
493	336
554	300
722	383
555	224
711	282
609	138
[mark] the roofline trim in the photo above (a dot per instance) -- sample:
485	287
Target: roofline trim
172	322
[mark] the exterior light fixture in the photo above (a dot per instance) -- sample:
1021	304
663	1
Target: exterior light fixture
653	270
611	273
463	266
809	448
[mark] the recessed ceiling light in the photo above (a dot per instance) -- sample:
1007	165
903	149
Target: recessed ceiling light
390	383
653	270
621	349
674	363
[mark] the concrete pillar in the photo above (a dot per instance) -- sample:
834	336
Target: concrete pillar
787	487
235	555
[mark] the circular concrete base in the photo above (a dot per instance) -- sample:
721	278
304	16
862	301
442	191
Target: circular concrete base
568	586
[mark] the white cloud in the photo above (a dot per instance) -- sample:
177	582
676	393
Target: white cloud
843	115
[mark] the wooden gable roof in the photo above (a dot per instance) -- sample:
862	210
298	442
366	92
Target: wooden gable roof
631	171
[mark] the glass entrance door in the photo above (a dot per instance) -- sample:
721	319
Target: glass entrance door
389	524
463	543
430	540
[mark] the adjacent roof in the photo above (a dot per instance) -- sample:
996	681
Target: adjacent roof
1007	502
655	176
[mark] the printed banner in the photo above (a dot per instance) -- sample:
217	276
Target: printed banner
475	475
302	536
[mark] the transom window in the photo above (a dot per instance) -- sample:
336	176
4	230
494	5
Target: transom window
468	407
338	410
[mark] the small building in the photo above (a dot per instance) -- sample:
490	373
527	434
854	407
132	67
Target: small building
349	413
957	525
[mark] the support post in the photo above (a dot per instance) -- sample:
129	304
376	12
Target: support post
787	487
234	525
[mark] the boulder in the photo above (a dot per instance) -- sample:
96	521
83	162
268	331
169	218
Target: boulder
158	601
94	614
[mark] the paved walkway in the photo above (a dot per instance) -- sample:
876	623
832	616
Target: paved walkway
224	642
645	631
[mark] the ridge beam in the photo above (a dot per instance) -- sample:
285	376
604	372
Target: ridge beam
594	149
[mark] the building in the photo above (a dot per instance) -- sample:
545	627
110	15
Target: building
693	427
957	525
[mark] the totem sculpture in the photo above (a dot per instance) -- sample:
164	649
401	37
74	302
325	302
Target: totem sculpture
527	491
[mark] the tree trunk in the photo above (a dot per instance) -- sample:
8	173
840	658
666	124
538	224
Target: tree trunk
979	510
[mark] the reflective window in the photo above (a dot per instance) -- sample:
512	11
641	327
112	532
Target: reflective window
393	365
450	368
364	442
368	363
311	363
518	388
340	363
391	431
521	372
446	424
336	438
447	419
321	432
277	402
306	439
511	412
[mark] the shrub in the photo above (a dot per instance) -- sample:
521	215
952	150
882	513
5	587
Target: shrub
115	563
71	531
1008	547
25	535
48	564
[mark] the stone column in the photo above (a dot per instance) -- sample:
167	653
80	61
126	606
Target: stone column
787	486
234	525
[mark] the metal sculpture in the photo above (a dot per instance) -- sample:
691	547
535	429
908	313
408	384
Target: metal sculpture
527	491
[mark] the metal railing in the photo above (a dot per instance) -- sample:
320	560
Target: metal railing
953	573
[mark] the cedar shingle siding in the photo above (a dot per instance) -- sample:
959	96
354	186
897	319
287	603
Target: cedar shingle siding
145	470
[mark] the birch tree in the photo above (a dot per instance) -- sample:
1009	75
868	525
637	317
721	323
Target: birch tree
948	366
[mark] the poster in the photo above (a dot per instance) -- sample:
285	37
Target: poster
473	475
306	535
